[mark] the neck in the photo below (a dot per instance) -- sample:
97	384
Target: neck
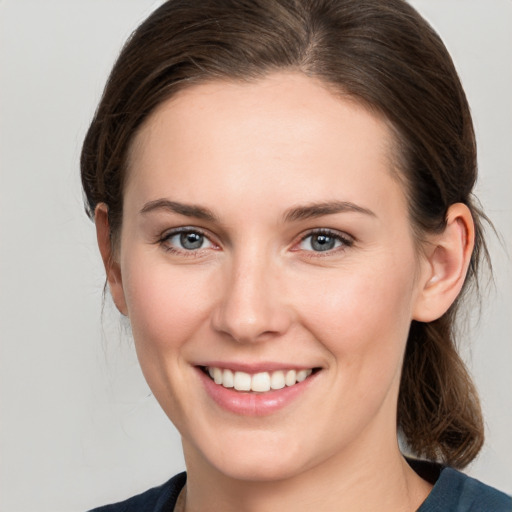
375	478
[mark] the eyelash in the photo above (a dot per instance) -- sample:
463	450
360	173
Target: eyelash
344	241
166	237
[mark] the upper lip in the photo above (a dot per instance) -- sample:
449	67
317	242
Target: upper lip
254	367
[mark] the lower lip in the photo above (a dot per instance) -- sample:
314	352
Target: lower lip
251	403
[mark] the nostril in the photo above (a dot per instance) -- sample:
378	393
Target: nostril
248	325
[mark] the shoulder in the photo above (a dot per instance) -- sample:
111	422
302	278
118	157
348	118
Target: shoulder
158	499
457	492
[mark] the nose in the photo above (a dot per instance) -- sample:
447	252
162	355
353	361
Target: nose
253	305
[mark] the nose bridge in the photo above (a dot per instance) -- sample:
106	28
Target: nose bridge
252	306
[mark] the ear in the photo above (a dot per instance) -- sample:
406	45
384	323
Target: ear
112	267
445	267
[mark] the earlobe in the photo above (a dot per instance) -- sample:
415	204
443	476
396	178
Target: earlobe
112	267
446	265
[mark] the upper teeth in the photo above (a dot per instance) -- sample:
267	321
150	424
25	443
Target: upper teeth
261	382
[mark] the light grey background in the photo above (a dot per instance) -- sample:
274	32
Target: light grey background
78	424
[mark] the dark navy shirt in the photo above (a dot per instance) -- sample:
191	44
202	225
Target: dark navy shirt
453	492
456	492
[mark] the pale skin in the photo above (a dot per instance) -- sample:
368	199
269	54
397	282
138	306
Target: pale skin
257	172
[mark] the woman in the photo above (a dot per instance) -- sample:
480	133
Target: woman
282	192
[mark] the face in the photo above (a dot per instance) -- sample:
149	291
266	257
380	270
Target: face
269	273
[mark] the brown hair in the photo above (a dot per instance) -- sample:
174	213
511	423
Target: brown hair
382	54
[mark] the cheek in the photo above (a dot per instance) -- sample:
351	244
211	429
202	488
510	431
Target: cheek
362	315
165	305
166	309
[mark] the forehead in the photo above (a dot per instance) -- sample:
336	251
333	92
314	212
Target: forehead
286	132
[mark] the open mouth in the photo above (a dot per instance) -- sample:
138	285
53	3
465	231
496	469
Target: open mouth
261	382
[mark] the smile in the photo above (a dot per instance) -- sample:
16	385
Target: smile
260	382
260	390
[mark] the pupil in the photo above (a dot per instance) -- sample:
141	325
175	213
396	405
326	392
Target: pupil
322	242
191	240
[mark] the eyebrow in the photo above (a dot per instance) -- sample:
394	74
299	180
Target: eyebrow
314	210
309	211
188	210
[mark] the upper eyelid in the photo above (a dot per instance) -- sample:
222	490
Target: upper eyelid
328	231
168	233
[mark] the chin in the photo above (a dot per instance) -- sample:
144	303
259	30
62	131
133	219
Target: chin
259	457
267	470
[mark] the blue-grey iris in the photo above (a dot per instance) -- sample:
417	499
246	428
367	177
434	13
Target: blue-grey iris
191	240
322	242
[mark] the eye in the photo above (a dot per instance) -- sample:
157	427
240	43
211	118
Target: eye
186	240
324	241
